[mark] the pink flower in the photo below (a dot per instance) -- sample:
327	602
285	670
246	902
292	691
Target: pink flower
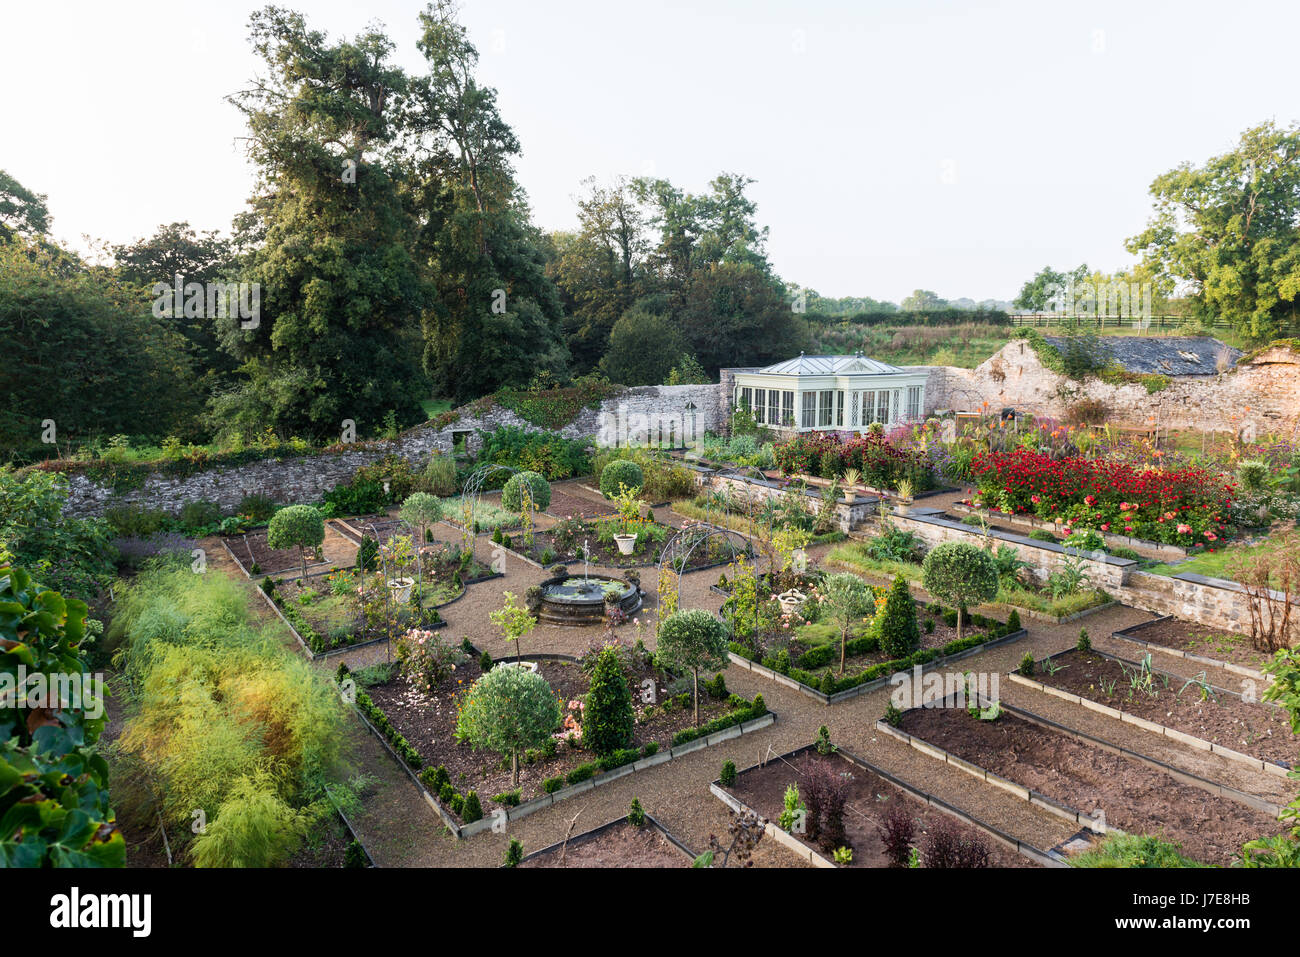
1184	529
1105	526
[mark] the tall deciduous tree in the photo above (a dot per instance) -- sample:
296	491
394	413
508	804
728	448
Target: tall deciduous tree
340	294
497	318
1228	231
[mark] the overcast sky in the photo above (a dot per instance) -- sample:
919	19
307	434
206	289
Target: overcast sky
952	146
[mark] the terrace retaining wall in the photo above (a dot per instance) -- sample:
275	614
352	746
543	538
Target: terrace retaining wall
1213	602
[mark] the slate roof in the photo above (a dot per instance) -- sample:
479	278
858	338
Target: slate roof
1162	355
831	365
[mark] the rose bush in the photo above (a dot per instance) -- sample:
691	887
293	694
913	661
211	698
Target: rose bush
1185	506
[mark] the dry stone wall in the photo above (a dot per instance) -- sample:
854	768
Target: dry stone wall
648	414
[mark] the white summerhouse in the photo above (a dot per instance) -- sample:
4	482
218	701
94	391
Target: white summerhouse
831	393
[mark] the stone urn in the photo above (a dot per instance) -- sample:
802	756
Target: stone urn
401	589
625	543
791	601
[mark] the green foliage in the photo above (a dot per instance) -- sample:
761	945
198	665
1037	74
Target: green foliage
897	628
607	718
54	798
846	601
643	348
254	827
1227	229
72	555
960	574
1026	666
727	777
421	510
251	712
300	526
513	496
440	475
1084	643
636	814
547	453
85	352
1134	850
514	853
618	474
508	710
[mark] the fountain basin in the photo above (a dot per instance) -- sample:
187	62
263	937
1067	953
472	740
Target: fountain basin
580	600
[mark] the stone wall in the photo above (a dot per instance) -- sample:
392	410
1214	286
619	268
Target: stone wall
646	415
1103	571
1262	393
1212	602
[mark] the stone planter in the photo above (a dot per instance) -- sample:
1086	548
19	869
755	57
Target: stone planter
791	601
401	589
526	665
626	543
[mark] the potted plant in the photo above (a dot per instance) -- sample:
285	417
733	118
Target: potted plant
400	551
904	489
629	509
851	479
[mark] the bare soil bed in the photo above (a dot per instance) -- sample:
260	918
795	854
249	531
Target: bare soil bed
428	721
621	846
1196	639
1135	798
870	800
259	559
565	505
1260	730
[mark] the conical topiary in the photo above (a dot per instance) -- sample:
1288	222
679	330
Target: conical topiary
607	717
899	634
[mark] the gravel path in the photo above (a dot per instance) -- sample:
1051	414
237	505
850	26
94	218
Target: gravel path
401	831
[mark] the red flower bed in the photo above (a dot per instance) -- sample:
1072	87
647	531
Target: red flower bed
1184	506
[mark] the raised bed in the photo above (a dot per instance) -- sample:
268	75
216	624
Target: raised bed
1140	545
617	844
542	785
1086	780
1207	646
1208	720
761	789
250	551
880	671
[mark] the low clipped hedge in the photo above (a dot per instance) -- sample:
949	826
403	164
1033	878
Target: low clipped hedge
828	683
747	711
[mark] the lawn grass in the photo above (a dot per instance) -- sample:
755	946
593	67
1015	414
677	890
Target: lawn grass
434	407
1213	564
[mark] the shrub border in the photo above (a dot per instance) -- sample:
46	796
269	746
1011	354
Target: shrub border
870	684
